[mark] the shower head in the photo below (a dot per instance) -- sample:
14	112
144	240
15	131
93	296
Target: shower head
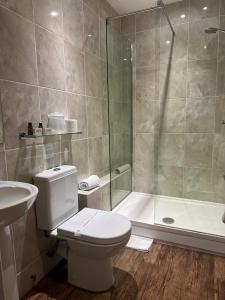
213	30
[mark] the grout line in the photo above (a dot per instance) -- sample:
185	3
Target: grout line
50	88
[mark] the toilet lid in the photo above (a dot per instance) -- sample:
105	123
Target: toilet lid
96	226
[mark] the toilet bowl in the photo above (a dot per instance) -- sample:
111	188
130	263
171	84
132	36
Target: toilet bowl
93	236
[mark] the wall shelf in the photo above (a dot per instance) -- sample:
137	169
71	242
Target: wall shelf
23	136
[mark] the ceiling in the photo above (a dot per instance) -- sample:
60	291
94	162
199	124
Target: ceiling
127	6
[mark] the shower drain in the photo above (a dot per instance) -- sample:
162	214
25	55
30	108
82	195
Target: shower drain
168	220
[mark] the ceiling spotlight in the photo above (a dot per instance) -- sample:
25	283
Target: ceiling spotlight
183	16
205	8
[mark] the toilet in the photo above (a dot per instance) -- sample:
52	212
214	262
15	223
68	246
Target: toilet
92	236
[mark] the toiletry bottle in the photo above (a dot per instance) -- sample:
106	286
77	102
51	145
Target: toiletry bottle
41	126
30	129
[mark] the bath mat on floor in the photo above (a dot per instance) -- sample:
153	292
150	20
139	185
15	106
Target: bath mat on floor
139	243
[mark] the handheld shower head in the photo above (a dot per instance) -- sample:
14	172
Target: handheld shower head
214	30
211	30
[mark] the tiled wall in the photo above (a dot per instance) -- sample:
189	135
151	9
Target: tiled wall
52	58
179	101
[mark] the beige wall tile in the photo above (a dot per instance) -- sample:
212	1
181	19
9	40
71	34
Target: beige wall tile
174	48
218	185
200	44
200	115
48	13
128	24
94	5
105	154
17	59
202	78
95	156
219	115
103	38
20	105
170	181
94	76
197	180
73	22
172	116
146	48
22	7
50	59
178	13
74	65
171	150
117	153
3	174
202	196
79	157
95	117
24	163
144	163
77	110
28	241
220	88
197	12
172	81
146	116
147	20
198	150
146	84
91	31
218	151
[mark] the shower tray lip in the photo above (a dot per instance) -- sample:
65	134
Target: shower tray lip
153	225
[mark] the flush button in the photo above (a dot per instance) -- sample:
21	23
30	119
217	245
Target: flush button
56	169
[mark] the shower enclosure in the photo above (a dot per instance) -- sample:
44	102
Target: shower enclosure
119	67
168	74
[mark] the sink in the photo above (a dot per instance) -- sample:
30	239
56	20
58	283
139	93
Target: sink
15	200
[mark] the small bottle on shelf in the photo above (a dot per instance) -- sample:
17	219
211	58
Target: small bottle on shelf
41	126
30	130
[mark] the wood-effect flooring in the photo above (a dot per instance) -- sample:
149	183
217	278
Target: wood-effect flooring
165	273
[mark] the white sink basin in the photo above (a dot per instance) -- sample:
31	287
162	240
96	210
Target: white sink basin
15	200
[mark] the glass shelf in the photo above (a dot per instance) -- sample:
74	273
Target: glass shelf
26	137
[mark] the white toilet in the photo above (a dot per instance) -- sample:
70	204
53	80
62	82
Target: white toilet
93	236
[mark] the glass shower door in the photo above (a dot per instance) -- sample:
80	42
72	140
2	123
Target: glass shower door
119	54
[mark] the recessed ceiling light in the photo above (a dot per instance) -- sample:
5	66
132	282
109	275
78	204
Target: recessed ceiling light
167	42
183	16
89	35
205	47
54	13
205	8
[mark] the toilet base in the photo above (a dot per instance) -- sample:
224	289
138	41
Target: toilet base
95	275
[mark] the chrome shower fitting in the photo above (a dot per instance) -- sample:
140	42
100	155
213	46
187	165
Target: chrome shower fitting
214	30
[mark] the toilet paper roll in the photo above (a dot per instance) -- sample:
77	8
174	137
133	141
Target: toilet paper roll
71	125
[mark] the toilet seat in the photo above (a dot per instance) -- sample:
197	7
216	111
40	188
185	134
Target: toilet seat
96	226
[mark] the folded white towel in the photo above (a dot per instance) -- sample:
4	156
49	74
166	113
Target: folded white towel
122	168
89	183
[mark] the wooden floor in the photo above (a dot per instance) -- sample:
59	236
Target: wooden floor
165	273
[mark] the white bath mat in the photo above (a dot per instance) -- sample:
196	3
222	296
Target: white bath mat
139	243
